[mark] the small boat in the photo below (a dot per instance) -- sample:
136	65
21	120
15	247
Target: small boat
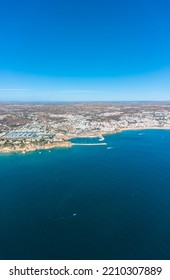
74	214
101	138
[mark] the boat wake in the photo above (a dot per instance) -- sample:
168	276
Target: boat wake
63	217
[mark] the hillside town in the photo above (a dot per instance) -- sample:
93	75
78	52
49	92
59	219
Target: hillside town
29	127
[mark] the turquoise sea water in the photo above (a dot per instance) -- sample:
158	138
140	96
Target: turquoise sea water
88	202
90	140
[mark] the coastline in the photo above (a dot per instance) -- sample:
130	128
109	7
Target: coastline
119	130
33	148
136	128
145	128
69	144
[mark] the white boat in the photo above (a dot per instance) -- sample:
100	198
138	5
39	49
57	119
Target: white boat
101	138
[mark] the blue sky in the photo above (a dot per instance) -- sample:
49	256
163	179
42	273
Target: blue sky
72	50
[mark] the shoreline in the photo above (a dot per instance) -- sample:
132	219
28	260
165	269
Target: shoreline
136	128
32	148
146	128
119	130
69	144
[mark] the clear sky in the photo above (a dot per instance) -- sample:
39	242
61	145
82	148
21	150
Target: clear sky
75	50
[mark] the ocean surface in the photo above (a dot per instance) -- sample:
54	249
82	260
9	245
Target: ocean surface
88	202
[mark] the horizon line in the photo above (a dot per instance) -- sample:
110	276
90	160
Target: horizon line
77	101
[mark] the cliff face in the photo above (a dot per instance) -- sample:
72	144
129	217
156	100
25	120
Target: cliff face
33	147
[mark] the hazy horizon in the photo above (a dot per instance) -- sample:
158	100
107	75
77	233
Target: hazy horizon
87	101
